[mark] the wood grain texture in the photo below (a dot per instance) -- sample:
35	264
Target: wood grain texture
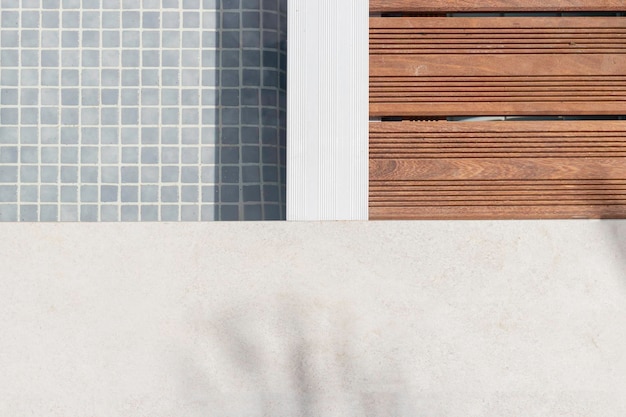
381	6
497	170
497	66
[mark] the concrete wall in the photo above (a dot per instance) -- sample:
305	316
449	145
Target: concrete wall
313	319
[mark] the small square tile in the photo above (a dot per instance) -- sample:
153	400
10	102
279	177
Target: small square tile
29	213
190	58
29	154
131	19
109	155
90	116
129	194
69	77
69	174
189	135
8	213
29	77
11	38
169	213
89	97
169	96
151	20
29	39
210	19
149	213
8	134
109	175
8	193
190	213
69	194
169	194
210	194
70	19
50	39
130	155
49	174
169	116
170	77
89	213
252	212
111	39
109	213
110	20
129	135
170	155
191	39
149	193
130	213
69	135
50	154
109	116
9	58
28	174
130	39
229	212
48	193
130	96
169	173
28	135
149	116
109	135
189	156
170	19
8	154
29	97
50	19
169	135
89	193
8	77
69	213
69	116
29	193
209	212
151	39
149	174
190	174
250	174
69	155
89	174
48	213
9	116
88	155
189	193
110	77
110	58
109	193
191	19
50	77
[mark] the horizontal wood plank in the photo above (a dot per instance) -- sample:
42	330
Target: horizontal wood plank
497	66
544	169
425	6
589	211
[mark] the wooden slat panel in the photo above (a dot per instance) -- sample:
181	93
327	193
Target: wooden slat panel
504	66
444	170
494	5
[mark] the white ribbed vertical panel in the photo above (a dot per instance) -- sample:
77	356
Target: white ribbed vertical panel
327	110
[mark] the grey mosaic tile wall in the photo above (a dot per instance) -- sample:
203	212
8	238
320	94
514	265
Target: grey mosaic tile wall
142	110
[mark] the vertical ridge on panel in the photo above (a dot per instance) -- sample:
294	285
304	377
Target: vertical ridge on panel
327	110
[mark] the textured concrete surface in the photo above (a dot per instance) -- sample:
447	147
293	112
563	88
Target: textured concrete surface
313	319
